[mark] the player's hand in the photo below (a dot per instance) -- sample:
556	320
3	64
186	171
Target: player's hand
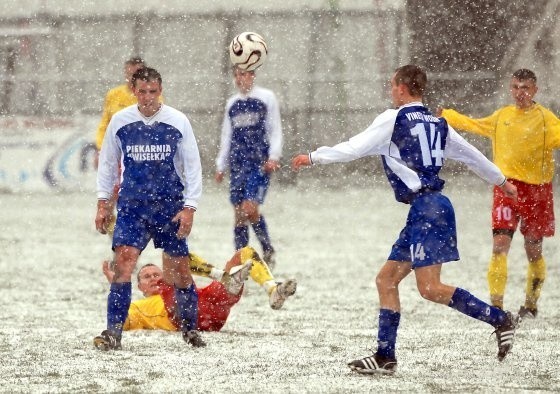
108	271
300	161
96	160
185	218
271	166
219	176
103	216
510	190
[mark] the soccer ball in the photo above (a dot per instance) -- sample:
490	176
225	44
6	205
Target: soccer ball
248	51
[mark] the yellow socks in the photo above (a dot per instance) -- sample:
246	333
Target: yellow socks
497	278
260	272
536	274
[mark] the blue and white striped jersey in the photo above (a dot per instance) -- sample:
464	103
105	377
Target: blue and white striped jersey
251	131
158	156
413	145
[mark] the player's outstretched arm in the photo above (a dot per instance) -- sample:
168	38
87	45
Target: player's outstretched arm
300	161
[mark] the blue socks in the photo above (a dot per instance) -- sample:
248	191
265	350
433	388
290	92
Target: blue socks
466	303
261	231
118	303
187	307
387	332
241	236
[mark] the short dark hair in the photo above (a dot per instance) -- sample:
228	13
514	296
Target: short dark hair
141	268
135	60
413	77
524	74
146	74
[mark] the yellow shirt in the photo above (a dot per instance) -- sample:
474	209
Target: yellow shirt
523	140
148	314
116	99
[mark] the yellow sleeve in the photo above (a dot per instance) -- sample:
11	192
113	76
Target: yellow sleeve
117	98
552	124
148	314
105	119
482	126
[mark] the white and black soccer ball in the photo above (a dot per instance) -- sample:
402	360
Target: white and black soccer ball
248	51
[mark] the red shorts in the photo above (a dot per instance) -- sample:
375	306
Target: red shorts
533	212
214	305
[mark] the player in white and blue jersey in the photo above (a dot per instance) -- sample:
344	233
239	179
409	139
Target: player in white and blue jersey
413	145
251	147
150	149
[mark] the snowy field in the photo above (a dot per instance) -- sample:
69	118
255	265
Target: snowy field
332	239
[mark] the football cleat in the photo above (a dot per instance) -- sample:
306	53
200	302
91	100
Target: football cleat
193	338
374	364
527	313
233	281
107	341
505	334
281	292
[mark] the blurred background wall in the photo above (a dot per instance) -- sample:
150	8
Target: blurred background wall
329	61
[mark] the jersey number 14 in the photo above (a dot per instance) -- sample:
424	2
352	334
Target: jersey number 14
429	144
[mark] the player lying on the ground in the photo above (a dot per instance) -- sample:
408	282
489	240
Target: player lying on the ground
157	310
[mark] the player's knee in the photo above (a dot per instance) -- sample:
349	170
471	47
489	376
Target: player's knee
429	292
384	281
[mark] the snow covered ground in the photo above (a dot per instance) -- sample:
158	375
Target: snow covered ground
332	240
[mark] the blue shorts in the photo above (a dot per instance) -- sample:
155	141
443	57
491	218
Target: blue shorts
139	221
251	185
430	234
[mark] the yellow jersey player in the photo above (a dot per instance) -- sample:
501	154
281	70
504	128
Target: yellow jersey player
118	98
523	137
157	310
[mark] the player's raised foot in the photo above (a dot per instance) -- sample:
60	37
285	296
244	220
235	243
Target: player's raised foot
374	364
234	279
505	334
194	338
281	293
269	257
527	313
107	341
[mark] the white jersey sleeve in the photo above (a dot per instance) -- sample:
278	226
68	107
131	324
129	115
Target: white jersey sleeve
274	128
460	150
225	141
108	169
189	168
375	140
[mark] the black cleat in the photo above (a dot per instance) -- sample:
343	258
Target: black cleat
193	338
374	364
527	313
107	341
505	334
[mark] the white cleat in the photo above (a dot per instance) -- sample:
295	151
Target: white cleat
234	280
281	292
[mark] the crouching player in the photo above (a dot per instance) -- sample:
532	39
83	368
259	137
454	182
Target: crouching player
157	310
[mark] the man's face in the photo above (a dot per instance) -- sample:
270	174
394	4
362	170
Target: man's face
243	80
522	92
148	279
129	70
147	93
